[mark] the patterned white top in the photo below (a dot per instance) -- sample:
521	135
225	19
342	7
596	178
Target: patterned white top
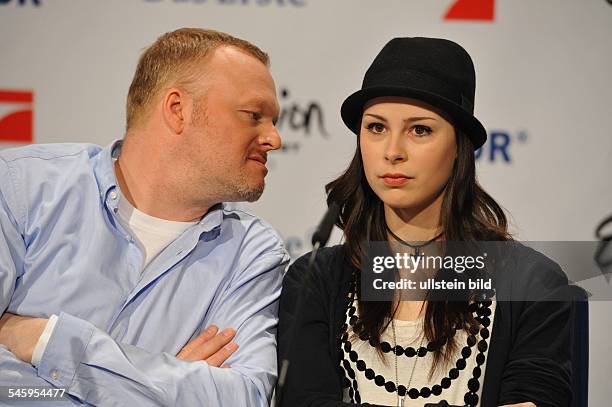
410	334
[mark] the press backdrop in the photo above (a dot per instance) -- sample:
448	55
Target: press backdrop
543	92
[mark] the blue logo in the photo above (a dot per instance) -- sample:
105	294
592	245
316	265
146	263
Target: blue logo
21	2
281	3
500	146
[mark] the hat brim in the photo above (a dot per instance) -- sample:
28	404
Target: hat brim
352	110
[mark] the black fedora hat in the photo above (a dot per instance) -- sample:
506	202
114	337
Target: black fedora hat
436	71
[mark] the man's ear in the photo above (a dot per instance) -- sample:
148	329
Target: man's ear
176	109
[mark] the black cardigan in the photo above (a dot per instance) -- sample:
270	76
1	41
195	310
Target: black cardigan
530	347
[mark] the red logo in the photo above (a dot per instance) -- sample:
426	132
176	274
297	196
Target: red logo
16	118
475	10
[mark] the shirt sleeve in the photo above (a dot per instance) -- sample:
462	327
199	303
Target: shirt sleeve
12	245
98	370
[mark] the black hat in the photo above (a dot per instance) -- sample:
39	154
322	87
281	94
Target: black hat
436	71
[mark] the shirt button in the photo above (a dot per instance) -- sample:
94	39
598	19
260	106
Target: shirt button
113	195
55	375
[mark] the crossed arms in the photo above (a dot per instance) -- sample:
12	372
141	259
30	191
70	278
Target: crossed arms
97	368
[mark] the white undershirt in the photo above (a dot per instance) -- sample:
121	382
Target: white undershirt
410	333
152	234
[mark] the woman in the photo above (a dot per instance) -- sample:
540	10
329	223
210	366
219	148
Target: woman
412	179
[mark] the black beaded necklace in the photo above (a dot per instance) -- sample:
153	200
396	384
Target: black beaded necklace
482	311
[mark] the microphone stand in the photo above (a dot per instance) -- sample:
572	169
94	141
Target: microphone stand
319	239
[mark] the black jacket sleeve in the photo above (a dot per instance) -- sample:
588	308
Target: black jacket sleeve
538	367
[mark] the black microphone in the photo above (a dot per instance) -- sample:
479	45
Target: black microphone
319	239
321	235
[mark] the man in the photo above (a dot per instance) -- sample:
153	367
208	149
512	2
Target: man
125	276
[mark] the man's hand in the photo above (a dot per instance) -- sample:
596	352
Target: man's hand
212	348
20	334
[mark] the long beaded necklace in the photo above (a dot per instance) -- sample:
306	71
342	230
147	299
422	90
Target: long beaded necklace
401	399
482	310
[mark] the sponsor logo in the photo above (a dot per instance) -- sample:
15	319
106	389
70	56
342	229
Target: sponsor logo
21	2
500	146
16	117
305	120
471	10
281	3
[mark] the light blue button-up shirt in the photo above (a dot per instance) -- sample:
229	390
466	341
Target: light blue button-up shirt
63	251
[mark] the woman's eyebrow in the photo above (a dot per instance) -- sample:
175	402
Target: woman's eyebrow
416	119
410	119
376	116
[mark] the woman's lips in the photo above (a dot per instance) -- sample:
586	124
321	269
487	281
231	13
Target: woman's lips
395	180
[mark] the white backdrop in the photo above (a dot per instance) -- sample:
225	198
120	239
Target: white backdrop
543	93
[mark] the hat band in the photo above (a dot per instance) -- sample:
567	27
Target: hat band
419	81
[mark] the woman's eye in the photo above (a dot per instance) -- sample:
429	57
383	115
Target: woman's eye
376	128
421	130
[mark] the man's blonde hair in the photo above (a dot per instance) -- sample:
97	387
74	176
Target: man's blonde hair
170	61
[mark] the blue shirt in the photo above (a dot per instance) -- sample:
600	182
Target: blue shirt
63	251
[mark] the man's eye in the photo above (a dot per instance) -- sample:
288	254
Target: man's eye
376	128
421	130
252	115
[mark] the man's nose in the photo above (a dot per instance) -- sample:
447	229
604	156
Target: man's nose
271	139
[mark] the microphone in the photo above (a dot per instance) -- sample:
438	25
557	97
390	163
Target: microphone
321	235
319	239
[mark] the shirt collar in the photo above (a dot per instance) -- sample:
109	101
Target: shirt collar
104	171
104	168
213	218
